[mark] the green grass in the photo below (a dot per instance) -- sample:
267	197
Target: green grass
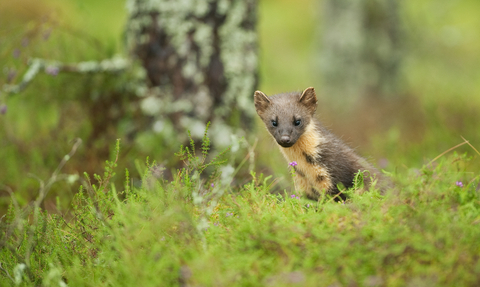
198	231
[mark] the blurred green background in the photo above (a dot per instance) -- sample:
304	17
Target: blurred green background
440	89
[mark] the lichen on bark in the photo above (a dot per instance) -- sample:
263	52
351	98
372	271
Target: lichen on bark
200	58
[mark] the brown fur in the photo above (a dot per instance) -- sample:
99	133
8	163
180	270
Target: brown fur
324	162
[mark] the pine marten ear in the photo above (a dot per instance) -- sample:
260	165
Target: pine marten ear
309	99
261	102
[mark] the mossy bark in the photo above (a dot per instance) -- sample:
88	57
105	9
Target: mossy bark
200	59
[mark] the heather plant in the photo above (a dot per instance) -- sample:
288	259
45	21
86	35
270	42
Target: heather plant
197	229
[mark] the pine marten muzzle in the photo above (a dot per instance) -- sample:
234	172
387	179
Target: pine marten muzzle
324	162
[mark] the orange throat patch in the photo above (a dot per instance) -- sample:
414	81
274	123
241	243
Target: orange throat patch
311	175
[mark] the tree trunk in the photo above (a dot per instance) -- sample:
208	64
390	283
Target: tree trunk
360	51
200	59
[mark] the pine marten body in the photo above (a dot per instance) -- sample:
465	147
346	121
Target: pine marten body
324	162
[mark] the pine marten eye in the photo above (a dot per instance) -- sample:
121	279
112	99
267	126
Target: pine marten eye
274	123
298	122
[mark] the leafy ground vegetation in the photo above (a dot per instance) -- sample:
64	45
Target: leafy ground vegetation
196	231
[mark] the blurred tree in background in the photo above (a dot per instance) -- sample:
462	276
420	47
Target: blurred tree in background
187	63
360	49
200	59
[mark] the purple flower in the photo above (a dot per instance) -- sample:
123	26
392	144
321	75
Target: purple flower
46	34
3	109
16	53
308	205
25	42
292	196
459	184
229	214
293	163
51	70
298	197
11	75
383	163
212	185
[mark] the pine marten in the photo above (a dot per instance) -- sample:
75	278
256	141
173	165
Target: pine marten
323	161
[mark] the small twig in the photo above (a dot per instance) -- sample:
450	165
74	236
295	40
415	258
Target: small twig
337	195
448	150
470	145
69	233
235	201
44	189
6	272
275	182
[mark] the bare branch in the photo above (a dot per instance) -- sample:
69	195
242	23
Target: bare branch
36	65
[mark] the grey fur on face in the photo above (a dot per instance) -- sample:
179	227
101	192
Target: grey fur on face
286	115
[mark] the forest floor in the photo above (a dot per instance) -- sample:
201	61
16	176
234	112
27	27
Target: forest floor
197	231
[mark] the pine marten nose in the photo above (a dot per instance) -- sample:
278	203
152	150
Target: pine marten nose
284	140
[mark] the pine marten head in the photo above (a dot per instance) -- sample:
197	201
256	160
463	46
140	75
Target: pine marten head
286	116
